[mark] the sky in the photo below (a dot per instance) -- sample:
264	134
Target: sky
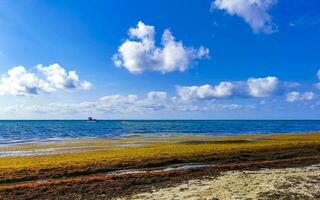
161	59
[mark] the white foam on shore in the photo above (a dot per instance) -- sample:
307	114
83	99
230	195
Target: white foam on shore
39	152
12	142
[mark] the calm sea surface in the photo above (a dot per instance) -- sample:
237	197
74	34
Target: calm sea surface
26	131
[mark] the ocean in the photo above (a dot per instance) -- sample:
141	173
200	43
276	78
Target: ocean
20	131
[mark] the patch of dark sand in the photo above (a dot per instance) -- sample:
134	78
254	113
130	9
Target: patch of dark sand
279	195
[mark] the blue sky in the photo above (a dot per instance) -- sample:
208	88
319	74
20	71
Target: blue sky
212	59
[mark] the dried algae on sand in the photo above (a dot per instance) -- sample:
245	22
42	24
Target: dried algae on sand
142	152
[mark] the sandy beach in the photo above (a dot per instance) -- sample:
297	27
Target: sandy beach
288	183
184	167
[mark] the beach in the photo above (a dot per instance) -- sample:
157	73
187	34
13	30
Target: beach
256	166
159	100
285	183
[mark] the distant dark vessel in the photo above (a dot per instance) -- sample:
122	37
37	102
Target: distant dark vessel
90	119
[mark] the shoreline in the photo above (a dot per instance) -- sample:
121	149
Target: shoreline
127	170
7	143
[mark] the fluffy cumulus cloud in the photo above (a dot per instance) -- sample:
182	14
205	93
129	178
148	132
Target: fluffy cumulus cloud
18	81
140	53
59	78
297	96
262	87
254	12
254	87
222	90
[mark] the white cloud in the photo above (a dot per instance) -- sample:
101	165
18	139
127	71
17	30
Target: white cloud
140	53
154	101
254	12
223	90
297	96
155	95
18	81
254	87
59	78
116	99
262	87
209	106
117	103
308	96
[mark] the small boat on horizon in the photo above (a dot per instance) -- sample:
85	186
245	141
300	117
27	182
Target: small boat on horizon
90	119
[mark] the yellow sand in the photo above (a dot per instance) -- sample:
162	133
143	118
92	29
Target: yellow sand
290	183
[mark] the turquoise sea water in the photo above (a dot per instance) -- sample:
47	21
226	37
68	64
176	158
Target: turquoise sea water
17	131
